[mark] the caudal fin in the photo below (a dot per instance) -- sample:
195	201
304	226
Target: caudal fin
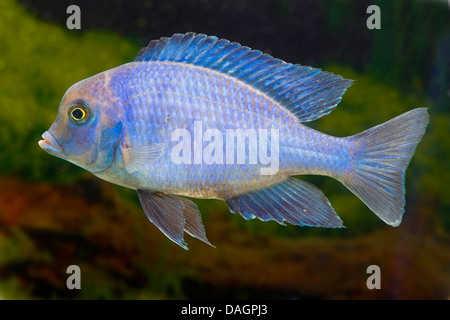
380	157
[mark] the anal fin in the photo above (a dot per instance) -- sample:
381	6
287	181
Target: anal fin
173	215
293	201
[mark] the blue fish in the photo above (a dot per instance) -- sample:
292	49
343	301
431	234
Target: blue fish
202	117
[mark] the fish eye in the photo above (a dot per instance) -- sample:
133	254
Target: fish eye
78	111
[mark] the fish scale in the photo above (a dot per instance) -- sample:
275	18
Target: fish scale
139	118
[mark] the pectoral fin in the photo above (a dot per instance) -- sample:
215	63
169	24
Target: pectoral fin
136	158
173	216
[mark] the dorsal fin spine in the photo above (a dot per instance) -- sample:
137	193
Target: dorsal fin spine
247	60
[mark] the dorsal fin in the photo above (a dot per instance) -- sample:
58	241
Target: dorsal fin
307	92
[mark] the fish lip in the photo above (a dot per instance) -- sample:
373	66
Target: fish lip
49	143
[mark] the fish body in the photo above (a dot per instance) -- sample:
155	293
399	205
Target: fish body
164	98
205	118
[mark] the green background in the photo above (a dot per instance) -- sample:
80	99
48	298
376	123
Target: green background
54	214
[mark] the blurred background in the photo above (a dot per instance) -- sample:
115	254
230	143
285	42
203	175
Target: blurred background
54	214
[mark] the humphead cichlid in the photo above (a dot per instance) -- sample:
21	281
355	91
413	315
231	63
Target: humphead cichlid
198	116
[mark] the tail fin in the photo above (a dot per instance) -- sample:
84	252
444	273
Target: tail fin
380	157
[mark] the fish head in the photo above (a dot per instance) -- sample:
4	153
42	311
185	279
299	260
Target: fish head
88	126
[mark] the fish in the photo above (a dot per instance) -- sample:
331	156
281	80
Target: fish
201	117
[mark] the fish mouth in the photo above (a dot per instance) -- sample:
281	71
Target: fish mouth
49	143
